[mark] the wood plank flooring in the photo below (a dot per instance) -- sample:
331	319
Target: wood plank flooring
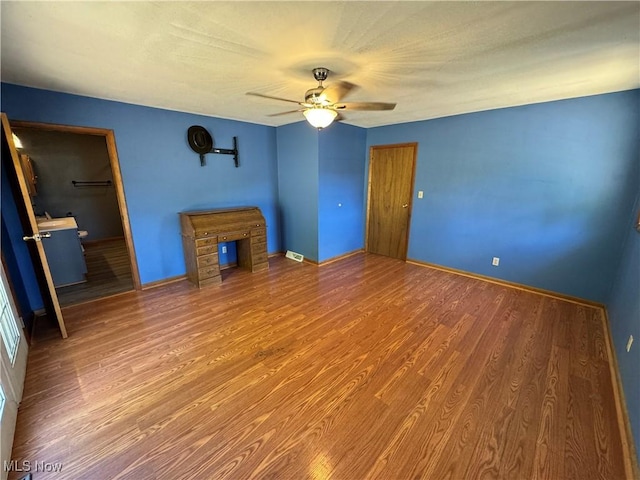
109	273
366	368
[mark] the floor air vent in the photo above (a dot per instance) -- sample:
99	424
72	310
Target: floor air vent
294	256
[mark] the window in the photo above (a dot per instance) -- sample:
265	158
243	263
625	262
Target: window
8	325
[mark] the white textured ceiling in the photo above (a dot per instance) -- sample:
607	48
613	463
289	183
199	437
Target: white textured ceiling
433	59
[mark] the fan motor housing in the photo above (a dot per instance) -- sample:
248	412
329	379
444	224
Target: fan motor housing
315	96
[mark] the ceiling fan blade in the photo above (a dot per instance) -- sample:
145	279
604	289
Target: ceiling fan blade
337	91
286	113
365	106
272	98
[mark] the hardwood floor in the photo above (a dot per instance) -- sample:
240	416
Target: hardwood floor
364	368
109	273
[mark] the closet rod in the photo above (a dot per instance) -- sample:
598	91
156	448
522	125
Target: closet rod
99	183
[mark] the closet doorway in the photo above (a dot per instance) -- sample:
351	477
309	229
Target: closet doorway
74	174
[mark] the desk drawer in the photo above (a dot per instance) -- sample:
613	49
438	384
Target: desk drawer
207	250
207	260
215	280
229	237
261	238
258	243
259	250
256	232
206	235
202	242
208	272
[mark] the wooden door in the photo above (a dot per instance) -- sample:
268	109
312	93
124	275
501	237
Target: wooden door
391	171
30	226
13	366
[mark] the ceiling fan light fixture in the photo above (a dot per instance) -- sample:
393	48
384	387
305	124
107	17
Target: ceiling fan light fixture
321	104
320	117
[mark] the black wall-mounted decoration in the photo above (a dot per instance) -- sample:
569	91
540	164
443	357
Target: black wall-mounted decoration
201	142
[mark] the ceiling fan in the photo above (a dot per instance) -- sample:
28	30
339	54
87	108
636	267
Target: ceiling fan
322	104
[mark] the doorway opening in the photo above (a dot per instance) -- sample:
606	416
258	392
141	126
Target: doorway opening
75	189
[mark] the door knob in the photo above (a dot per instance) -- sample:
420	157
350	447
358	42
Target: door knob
37	236
405	205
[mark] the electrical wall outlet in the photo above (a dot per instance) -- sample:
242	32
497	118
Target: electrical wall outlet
496	261
224	249
420	194
629	342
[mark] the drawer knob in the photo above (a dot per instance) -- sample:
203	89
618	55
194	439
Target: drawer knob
244	234
206	233
224	238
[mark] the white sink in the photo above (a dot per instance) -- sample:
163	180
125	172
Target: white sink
64	223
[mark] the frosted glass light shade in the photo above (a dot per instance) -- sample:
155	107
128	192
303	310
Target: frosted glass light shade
320	117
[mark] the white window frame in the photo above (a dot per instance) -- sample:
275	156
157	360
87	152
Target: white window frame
8	326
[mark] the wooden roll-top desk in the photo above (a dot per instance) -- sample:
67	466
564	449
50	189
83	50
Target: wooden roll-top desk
202	230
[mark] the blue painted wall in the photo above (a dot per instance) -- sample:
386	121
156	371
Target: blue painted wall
161	175
624	318
342	159
545	187
298	177
317	171
13	271
16	252
542	186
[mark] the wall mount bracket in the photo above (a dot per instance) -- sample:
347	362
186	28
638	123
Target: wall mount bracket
201	142
228	151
